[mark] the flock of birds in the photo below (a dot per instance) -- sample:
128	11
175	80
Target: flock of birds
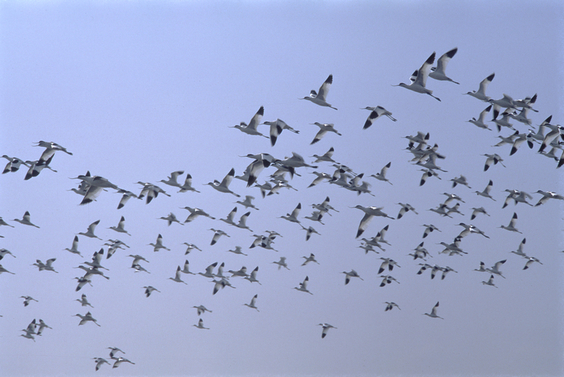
425	156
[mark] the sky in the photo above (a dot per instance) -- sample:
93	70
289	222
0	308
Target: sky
139	89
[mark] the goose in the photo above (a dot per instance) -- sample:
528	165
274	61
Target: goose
351	274
87	318
369	213
223	186
172	180
251	128
302	287
187	186
481	92
90	231
176	277
84	301
252	304
418	84
433	313
320	98
323	129
200	325
158	244
201	309
375	113
325	329
25	220
438	72
120	228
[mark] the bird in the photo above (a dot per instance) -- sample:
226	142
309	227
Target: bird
511	225
252	304
323	129
100	361
150	289
195	212
42	325
47	266
120	360
428	229
261	161
120	228
490	282
36	167
369	213
247	203
492	159
433	313
391	305
87	318
476	211
200	325
320	98
187	186
311	258
223	186
302	287
209	271
546	195
251	128
25	220
387	264
418	84
90	231
320	177
281	263
84	301
172	180
459	180
404	209
230	217
309	231
381	176
74	247
201	309
176	277
13	164
481	119
486	191
252	277
293	217
326	157
438	72
27	300
375	113
114	351
170	218
495	268
158	244
276	128
217	234
481	92
530	261
351	274
125	197
326	327
190	247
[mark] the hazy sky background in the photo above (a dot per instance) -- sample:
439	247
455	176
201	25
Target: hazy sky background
138	89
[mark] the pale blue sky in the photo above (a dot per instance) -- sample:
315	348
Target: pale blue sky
137	90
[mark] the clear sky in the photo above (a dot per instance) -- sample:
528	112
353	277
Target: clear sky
139	89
